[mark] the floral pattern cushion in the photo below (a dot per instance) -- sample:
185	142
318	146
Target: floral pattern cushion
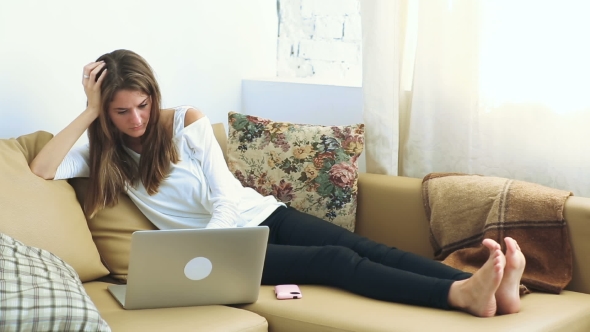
311	168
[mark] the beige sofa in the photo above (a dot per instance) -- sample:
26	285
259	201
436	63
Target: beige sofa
47	214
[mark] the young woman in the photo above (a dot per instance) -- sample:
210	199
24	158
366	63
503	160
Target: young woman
170	165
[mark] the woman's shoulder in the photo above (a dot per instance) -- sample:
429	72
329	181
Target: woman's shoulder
181	117
192	115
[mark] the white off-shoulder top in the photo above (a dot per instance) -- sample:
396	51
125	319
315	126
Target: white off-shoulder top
200	191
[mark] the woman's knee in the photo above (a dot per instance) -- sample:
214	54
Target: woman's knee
337	263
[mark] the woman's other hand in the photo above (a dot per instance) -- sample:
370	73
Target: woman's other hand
92	85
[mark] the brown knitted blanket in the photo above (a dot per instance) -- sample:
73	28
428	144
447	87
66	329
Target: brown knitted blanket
464	209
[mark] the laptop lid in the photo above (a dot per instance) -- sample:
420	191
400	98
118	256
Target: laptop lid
187	267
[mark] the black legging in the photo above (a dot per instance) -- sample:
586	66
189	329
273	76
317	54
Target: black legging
303	249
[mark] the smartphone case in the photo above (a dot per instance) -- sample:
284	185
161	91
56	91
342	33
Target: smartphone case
286	292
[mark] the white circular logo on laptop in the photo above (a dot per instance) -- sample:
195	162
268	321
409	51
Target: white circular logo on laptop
198	268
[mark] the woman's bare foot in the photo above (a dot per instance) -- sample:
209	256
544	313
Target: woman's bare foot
508	295
476	295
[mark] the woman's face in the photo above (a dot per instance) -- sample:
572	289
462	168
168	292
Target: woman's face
130	112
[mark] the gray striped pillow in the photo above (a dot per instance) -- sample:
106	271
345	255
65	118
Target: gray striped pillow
41	292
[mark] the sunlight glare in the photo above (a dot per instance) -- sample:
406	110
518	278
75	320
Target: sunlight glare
536	51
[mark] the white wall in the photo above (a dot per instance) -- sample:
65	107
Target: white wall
199	49
301	101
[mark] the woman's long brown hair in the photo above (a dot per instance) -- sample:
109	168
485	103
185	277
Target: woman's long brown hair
112	168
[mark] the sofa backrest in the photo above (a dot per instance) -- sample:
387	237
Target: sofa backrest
221	136
44	214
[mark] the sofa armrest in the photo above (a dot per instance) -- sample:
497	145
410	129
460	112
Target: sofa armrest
390	211
577	216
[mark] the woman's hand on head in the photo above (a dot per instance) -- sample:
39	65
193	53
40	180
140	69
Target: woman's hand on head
92	85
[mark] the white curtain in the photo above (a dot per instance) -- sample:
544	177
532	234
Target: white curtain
381	99
489	87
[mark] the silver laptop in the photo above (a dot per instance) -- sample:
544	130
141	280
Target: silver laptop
188	267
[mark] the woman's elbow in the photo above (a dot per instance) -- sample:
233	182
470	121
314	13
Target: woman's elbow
41	172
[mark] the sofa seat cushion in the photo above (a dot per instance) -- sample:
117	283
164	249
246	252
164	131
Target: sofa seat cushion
330	309
199	318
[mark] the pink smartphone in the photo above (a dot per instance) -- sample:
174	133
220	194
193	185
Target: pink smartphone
285	292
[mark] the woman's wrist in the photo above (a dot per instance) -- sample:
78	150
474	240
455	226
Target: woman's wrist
92	111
